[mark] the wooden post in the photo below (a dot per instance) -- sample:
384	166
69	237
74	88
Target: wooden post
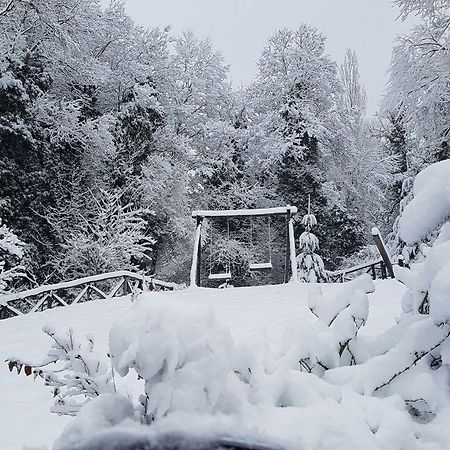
383	270
374	272
383	251
50	300
125	286
288	246
198	278
195	275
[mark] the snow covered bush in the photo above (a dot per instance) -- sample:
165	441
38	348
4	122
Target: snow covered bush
184	355
310	264
332	341
72	368
11	252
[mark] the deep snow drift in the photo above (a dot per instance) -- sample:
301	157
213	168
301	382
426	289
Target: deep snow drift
252	316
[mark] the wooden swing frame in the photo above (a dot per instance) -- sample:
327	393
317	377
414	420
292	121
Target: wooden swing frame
290	271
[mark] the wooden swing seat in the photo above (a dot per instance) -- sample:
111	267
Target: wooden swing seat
261	266
220	276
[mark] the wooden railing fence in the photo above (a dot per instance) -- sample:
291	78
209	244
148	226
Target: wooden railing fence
104	286
382	266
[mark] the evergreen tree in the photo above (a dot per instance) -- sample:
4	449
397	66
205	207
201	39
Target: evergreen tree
309	263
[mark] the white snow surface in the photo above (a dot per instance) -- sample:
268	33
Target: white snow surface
319	415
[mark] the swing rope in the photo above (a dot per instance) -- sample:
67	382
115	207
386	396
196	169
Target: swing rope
211	249
270	240
229	245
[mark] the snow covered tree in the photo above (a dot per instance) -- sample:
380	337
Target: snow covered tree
425	8
309	263
357	168
99	234
294	98
417	89
417	99
11	253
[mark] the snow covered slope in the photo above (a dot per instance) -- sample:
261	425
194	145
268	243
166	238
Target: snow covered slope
24	405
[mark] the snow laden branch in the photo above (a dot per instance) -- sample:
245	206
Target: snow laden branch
424	8
72	368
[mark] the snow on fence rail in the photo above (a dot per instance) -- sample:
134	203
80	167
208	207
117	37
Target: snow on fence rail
340	276
103	286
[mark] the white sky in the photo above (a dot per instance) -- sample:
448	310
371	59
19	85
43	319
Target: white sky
240	28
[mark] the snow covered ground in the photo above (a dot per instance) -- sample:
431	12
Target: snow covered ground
25	419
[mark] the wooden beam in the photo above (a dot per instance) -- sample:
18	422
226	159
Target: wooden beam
242	213
383	251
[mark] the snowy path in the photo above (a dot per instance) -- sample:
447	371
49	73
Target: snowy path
24	404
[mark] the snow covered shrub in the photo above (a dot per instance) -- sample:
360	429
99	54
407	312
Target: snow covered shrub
412	359
11	252
184	355
332	341
310	264
73	369
344	316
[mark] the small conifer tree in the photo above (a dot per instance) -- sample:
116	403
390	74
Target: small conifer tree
310	265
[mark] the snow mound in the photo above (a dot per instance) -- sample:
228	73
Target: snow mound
181	351
430	205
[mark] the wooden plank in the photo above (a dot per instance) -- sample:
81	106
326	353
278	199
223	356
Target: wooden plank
10	308
59	299
80	295
116	288
261	266
99	291
40	302
220	276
